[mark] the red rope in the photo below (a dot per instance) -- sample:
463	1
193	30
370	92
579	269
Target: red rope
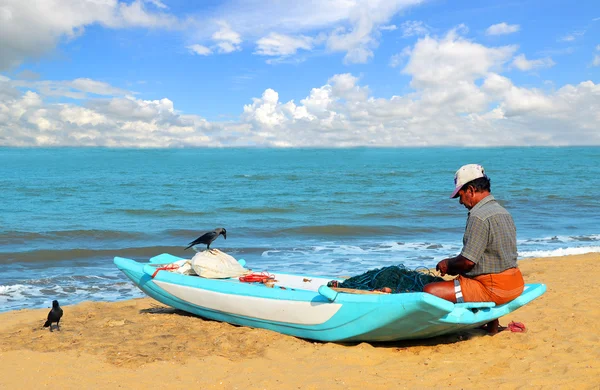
168	267
255	277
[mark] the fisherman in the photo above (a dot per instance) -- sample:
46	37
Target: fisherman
486	267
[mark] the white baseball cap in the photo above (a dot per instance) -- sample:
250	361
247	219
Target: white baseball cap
465	174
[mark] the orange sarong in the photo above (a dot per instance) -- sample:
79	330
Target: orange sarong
499	288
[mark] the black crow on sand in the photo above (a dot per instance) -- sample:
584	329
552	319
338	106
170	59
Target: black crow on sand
54	316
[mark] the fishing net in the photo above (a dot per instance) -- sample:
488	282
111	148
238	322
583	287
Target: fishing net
397	277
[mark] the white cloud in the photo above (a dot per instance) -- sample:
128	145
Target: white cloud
95	87
522	63
276	44
397	60
200	50
264	111
345	86
135	14
74	89
29	31
350	26
27	74
459	97
226	40
572	36
120	122
502	29
361	38
413	28
81	116
514	100
596	60
157	3
453	58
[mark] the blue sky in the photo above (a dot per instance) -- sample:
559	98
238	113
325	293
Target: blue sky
174	73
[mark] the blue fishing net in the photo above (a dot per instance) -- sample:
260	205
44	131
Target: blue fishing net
398	278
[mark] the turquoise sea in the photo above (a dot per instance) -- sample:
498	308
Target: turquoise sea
66	212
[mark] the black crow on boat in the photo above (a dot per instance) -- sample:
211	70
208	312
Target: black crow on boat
54	316
208	238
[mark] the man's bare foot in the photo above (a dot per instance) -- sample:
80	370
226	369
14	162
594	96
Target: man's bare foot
493	327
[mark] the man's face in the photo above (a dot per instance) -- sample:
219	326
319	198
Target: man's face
465	197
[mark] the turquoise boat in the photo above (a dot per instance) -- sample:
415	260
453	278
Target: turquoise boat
303	305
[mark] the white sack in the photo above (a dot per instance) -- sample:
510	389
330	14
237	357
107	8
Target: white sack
184	267
214	264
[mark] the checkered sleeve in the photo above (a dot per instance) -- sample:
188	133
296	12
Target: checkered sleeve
475	240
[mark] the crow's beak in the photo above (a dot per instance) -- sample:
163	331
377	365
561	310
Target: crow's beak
225	235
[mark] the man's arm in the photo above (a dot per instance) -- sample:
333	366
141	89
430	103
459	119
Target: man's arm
455	265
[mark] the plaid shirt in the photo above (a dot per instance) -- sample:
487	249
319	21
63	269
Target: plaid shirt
490	239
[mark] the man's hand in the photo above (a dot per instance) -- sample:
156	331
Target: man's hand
454	265
442	266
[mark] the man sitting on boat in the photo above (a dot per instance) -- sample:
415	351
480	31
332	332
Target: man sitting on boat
486	268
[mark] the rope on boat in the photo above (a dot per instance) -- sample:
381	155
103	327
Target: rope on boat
168	267
398	278
256	277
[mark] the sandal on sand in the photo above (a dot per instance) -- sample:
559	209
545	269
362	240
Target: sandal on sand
517	327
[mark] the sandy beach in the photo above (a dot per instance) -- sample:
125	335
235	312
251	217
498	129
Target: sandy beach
142	344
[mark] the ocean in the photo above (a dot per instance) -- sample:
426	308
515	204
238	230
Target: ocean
65	213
